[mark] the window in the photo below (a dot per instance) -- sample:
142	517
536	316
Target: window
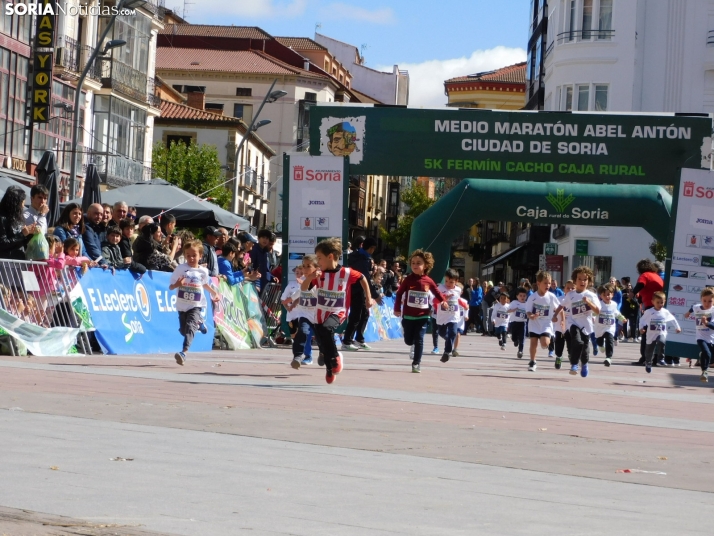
178	139
568	100
605	20
583	97
189	89
310	97
587	18
600	98
215	106
244	92
243	111
571	21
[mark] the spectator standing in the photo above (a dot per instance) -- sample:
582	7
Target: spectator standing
225	266
107	213
94	232
209	258
14	233
259	257
554	289
71	225
125	246
144	220
489	299
147	249
36	213
119	212
390	281
168	224
475	306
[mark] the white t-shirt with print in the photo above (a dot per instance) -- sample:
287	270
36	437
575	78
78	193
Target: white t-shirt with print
606	321
190	294
518	311
544	307
701	318
500	315
292	293
452	300
657	323
579	312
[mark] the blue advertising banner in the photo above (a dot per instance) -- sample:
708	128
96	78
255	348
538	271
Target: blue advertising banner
382	323
138	316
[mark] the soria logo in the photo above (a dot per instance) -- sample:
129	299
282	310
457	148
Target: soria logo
298	173
688	189
559	201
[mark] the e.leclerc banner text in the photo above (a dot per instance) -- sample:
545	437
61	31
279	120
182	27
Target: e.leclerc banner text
137	316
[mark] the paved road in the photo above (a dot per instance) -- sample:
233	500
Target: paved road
241	443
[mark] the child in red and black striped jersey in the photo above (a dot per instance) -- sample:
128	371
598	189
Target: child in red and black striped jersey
414	292
333	283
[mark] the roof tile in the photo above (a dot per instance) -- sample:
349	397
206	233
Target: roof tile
234	61
513	74
300	43
207	30
172	110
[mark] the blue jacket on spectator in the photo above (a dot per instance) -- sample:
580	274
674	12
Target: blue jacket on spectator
93	243
225	268
259	259
476	297
63	234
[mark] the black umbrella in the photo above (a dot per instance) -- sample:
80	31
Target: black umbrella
92	193
47	175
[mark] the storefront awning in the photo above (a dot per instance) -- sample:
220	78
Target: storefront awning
502	256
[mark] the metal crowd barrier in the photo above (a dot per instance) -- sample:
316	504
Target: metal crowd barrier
40	295
270	301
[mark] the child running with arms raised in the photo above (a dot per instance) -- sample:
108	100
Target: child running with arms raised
581	304
539	307
190	279
654	323
412	302
606	324
519	317
500	317
703	315
333	283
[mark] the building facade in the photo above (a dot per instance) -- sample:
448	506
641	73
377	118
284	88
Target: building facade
193	124
626	56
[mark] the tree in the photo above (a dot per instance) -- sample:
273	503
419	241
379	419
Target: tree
417	202
194	168
658	250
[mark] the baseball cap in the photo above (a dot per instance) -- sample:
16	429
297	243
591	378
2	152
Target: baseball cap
247	237
210	230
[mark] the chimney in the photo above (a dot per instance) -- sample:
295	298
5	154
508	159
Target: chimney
197	100
306	65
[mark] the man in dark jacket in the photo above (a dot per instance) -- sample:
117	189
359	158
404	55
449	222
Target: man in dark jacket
94	233
360	260
209	258
390	280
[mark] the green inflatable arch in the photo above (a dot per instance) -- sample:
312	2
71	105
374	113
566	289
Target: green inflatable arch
473	200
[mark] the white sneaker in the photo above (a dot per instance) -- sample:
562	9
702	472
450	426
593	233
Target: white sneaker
297	361
601	349
349	348
363	346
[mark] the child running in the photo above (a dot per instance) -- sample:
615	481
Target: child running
412	302
703	314
655	320
291	301
562	329
518	319
581	305
539	306
333	282
190	279
447	316
500	317
461	326
606	324
305	315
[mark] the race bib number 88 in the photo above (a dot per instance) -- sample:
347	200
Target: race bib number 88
191	294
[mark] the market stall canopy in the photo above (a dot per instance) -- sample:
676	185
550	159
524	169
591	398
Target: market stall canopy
152	197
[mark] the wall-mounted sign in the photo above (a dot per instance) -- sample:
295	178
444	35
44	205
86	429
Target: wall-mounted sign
550	248
581	247
43	62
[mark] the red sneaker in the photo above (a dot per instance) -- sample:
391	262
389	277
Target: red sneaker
337	364
329	376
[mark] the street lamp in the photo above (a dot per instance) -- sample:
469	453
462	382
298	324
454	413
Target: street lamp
261	124
114	43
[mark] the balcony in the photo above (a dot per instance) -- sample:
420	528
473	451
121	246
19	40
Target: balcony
72	58
579	36
125	79
494	237
154	99
250	181
117	170
157	7
356	218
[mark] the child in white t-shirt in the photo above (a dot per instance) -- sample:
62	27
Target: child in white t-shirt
606	321
291	302
581	305
190	279
703	314
518	320
656	319
539	308
500	317
448	317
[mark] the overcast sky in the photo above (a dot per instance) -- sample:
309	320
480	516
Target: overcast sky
433	39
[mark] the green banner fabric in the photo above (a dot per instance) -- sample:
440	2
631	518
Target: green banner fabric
39	341
531	146
253	312
230	317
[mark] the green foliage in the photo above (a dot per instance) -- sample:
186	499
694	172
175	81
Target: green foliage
658	250
194	168
417	202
